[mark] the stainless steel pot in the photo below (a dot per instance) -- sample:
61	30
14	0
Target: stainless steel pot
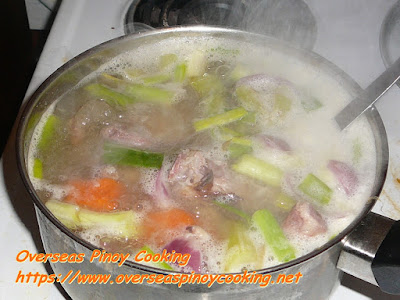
321	269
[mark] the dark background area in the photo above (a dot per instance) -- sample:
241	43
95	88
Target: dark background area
20	49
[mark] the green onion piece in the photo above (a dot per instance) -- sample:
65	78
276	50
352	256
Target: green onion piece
258	169
248	98
180	72
48	132
284	202
119	155
234	210
273	235
145	93
214	103
121	224
167	59
241	251
66	213
316	189
161	264
221	119
154	79
112	97
37	168
311	104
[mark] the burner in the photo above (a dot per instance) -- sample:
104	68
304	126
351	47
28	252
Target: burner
289	20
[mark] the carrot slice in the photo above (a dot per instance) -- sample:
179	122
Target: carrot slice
96	194
158	223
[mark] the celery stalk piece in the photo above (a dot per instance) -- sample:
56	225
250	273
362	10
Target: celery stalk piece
234	210
145	93
167	60
133	74
282	103
120	223
162	264
239	146
239	71
37	168
196	64
111	78
154	79
316	189
273	235
112	97
221	119
66	213
119	155
247	125
311	104
206	85
241	251
224	134
48	131
284	202
180	72
248	98
258	169
214	104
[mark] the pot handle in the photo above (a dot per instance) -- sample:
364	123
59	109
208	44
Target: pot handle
372	253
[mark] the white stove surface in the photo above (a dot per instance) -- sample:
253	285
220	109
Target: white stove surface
348	35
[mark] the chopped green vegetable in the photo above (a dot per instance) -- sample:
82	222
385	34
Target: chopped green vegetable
234	210
207	85
282	103
214	104
196	64
37	168
180	72
316	189
167	59
239	71
258	169
221	119
239	146
284	202
311	104
241	251
247	125
145	93
48	131
119	155
273	235
224	134
66	213
120	224
154	79
162	264
248	98
112	97
134	73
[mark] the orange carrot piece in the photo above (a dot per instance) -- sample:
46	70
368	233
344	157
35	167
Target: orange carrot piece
96	194
156	224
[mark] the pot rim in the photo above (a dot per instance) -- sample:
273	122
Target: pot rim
350	85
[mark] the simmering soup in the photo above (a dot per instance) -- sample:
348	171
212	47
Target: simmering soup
222	151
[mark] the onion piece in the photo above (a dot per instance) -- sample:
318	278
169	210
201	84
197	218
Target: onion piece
274	142
183	246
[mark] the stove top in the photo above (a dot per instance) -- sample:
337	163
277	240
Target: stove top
289	20
342	31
